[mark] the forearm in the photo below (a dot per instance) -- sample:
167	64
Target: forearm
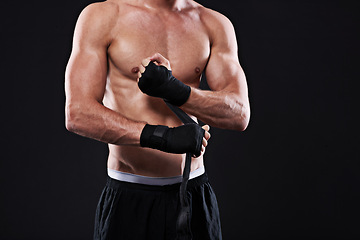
93	120
220	109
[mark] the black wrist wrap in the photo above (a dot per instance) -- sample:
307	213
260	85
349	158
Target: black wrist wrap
158	81
182	139
153	136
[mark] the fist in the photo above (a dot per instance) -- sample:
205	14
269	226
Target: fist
156	80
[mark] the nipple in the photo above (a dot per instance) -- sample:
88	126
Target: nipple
197	70
135	70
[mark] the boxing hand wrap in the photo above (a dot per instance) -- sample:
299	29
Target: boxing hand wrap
158	81
183	139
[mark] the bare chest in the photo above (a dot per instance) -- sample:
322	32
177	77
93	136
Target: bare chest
181	38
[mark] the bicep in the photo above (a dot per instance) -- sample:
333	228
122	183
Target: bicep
223	71
86	75
86	71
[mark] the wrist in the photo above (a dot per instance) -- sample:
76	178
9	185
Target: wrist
181	96
152	136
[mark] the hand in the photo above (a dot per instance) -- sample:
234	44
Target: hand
156	80
188	138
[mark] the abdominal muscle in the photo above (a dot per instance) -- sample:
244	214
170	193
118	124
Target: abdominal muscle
148	162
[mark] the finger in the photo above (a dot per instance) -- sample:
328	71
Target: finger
207	135
138	75
145	62
141	69
204	142
206	127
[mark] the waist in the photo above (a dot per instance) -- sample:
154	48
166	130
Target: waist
154	181
147	161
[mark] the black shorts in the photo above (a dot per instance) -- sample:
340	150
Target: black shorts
131	211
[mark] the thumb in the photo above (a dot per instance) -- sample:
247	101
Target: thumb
161	60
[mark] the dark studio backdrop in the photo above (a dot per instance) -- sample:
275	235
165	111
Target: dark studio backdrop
293	174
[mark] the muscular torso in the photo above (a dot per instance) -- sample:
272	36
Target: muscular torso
140	32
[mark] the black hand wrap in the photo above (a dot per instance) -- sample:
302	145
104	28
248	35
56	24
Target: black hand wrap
158	81
182	139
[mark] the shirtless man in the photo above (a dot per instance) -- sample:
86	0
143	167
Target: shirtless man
114	42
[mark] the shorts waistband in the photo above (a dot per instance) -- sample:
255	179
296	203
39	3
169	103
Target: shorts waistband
193	183
153	181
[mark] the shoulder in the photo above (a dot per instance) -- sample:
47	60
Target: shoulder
213	18
97	19
101	8
217	24
100	13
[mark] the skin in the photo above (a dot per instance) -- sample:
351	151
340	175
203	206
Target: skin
114	41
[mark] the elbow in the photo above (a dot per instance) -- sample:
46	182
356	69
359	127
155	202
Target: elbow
72	119
69	125
241	125
242	120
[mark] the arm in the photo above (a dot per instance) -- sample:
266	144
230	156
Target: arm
227	106
86	79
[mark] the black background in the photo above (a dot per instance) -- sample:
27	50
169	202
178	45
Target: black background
293	174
